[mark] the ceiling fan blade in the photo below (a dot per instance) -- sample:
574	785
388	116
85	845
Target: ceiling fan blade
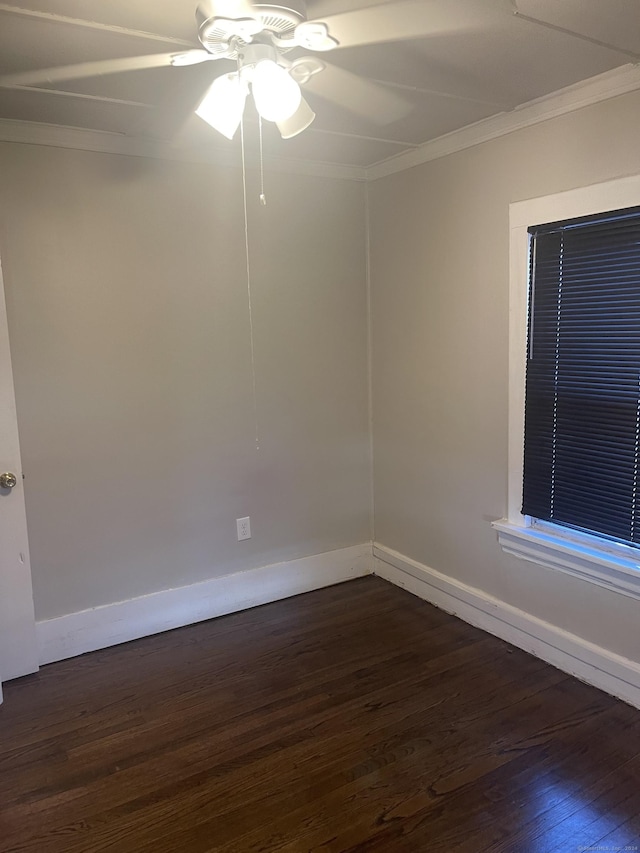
406	19
367	99
42	76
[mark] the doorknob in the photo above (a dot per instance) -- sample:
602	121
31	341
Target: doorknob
8	480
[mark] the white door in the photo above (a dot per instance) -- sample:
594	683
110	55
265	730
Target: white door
18	651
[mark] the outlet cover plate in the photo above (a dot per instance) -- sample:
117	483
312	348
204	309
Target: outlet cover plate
243	526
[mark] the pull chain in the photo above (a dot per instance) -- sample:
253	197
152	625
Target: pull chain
263	199
246	247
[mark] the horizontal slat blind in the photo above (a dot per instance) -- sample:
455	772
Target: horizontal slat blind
582	409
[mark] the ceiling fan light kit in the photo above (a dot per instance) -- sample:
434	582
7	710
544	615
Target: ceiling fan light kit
276	93
258	36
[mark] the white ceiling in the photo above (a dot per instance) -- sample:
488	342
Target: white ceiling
434	65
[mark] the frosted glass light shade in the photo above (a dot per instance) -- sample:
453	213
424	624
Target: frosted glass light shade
276	93
298	122
223	105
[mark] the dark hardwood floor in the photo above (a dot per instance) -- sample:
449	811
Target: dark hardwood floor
355	718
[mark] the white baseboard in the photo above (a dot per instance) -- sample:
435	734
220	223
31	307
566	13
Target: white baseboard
610	672
89	630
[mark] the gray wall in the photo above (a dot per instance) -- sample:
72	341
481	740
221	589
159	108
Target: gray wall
126	290
440	281
127	296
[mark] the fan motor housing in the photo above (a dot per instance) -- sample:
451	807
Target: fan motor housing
276	18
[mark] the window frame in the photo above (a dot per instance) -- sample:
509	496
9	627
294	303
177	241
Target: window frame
590	557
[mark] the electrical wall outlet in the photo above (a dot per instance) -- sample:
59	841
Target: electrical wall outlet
244	528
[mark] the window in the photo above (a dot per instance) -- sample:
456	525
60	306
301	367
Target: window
570	520
582	400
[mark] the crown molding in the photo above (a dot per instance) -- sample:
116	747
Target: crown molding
105	142
619	81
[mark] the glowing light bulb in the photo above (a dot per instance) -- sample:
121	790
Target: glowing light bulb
276	93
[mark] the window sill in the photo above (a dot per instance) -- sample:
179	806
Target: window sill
582	556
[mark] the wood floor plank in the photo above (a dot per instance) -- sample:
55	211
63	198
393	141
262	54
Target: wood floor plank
355	718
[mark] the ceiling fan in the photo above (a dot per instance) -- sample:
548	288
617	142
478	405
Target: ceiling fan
269	50
258	38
